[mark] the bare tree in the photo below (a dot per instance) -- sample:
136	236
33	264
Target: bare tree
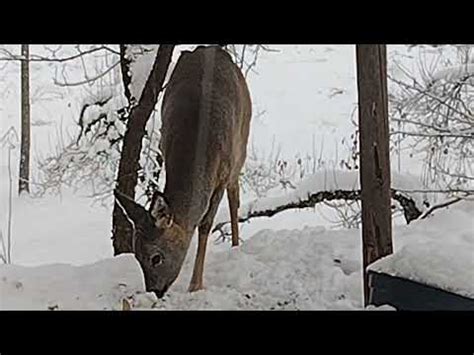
9	140
132	144
98	75
24	177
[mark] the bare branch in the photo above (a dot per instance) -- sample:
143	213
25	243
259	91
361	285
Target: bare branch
438	206
87	80
440	134
410	209
37	58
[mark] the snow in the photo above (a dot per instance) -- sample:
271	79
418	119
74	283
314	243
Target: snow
455	73
62	251
98	286
287	269
314	275
142	59
64	229
438	252
385	307
300	268
110	104
426	263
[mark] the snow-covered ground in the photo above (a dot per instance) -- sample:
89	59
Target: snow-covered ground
303	268
62	252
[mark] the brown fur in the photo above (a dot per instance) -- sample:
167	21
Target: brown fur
206	119
206	116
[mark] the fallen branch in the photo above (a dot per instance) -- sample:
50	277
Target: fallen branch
410	210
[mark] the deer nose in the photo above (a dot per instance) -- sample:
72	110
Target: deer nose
159	293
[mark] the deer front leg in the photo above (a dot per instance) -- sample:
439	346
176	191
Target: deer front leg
234	204
196	283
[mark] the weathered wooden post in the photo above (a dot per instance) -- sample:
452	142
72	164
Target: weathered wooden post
374	155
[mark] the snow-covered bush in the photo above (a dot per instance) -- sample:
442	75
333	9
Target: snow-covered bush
89	159
431	111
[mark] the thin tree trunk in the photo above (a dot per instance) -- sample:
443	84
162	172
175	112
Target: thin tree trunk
132	144
23	185
125	68
374	158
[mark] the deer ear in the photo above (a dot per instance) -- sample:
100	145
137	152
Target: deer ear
160	211
134	211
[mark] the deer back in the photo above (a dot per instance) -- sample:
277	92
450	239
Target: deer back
205	125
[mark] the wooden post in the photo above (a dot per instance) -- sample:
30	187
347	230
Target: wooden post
374	156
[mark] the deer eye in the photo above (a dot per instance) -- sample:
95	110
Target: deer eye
157	259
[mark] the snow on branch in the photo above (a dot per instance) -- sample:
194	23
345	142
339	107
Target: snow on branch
328	186
440	205
141	59
432	116
411	211
456	73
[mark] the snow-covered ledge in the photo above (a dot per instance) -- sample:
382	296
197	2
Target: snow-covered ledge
443	265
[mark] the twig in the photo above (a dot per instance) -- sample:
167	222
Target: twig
441	205
87	80
440	134
38	58
440	191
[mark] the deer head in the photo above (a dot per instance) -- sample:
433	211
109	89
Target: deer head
160	243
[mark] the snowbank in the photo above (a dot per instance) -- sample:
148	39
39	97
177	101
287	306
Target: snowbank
290	269
99	286
312	268
308	268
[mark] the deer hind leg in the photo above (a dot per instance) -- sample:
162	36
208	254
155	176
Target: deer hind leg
233	195
204	229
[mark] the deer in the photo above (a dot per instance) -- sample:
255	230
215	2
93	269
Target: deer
206	113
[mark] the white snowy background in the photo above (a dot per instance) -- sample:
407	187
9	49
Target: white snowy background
62	252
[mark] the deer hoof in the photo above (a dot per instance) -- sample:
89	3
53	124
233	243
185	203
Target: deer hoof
195	287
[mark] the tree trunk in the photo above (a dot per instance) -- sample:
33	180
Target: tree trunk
132	144
125	68
374	156
24	178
